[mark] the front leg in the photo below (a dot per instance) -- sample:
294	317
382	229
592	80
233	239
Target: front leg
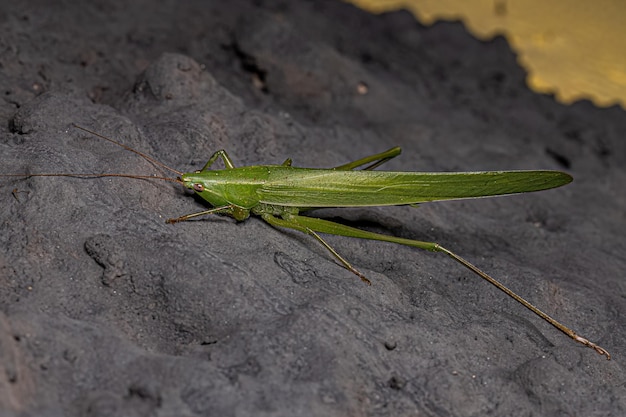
216	210
228	163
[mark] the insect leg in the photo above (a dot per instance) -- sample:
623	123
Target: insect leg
378	159
219	154
325	226
277	222
525	303
223	209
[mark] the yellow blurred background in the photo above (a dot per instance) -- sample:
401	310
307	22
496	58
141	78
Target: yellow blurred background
573	49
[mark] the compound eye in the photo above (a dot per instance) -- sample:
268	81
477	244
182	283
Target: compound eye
198	187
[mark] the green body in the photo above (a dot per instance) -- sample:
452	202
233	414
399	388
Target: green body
278	193
278	188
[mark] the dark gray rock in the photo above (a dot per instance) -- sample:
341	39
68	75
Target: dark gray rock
107	310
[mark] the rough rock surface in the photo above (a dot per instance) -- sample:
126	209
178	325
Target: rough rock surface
106	310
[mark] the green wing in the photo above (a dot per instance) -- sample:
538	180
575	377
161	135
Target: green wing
302	187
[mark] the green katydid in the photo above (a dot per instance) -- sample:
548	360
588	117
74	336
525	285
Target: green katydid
279	193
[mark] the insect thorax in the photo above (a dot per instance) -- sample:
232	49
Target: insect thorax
275	210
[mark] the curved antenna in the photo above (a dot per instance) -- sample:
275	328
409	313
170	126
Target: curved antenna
90	175
128	148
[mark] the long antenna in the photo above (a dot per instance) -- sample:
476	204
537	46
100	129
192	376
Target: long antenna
100	175
128	148
90	175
